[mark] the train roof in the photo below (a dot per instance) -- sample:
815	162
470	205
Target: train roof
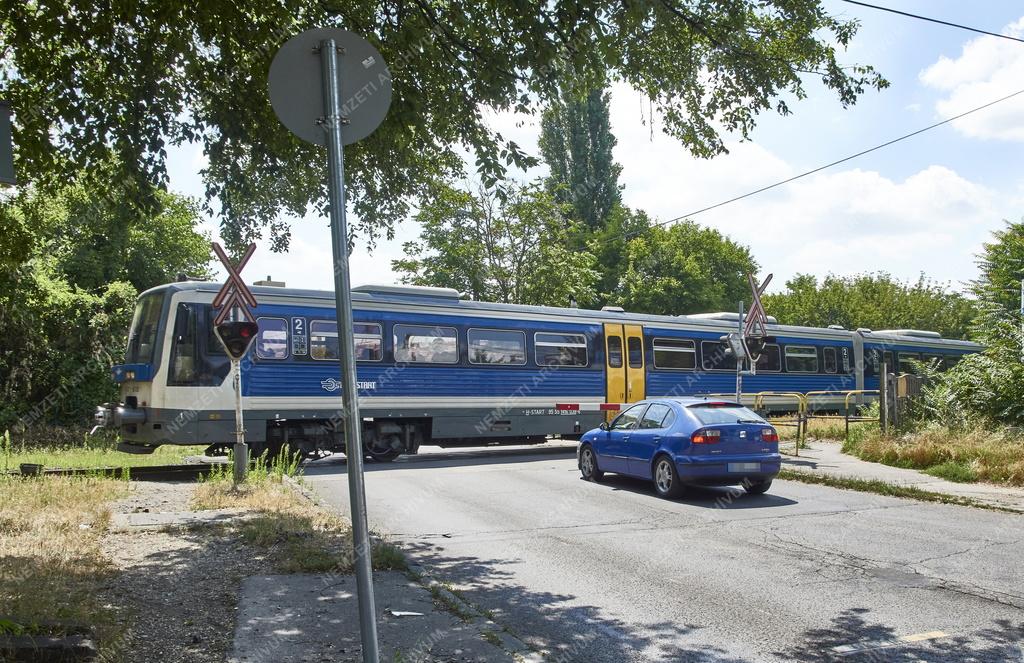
449	298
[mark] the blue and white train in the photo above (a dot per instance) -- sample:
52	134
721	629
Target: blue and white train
437	369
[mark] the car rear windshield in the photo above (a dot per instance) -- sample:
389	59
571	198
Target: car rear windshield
713	413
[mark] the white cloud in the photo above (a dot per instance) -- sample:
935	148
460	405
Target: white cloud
839	221
987	69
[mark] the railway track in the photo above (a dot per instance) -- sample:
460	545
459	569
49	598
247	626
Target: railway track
182	472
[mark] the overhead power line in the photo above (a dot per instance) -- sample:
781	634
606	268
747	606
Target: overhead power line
833	163
934	20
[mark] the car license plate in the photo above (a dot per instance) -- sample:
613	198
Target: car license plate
744	467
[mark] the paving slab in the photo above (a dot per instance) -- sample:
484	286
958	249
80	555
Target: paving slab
827	458
306	618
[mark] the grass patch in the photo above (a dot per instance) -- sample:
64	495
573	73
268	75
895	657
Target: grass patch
296	535
953	471
86	451
51	563
825	429
980	453
884	488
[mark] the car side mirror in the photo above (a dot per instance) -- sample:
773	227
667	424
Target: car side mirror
604	425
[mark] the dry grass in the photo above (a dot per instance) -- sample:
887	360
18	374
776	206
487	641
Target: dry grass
977	454
824	429
51	563
298	536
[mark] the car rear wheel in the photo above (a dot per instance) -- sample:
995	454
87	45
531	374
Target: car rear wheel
757	487
588	464
666	478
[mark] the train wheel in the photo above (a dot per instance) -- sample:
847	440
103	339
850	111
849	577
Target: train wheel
383	449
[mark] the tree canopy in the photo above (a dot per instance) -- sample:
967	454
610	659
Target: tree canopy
135	77
874	301
68	290
511	249
684	268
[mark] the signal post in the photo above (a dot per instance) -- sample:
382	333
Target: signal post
236	335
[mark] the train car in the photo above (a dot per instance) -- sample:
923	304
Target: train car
436	369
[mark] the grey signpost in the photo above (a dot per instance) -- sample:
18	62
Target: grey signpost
331	87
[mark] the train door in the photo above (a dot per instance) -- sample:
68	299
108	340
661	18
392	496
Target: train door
624	363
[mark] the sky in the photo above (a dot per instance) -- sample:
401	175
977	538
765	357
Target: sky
924	205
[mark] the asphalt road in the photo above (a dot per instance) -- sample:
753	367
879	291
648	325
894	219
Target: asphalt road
610	572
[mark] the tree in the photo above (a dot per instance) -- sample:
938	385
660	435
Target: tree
136	77
576	142
684	269
511	249
989	385
67	293
874	301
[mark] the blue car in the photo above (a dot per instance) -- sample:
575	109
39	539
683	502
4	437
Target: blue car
676	442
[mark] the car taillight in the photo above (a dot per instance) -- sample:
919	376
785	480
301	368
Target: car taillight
707	436
769	435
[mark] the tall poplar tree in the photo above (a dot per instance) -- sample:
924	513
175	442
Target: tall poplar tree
576	142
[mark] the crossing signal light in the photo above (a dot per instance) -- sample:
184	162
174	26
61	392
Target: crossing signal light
756	344
237	336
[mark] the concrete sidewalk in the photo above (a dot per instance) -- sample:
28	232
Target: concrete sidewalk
827	458
293	618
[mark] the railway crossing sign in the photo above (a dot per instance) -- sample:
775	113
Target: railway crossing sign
331	87
757	320
236	336
235	294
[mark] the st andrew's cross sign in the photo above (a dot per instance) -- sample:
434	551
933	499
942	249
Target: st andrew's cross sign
234	294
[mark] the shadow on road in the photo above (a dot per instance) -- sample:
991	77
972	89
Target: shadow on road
709	497
565	631
853	637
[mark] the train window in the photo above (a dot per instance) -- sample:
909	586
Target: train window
426	345
933	361
272	338
770	360
143	334
906	361
828	356
890	362
183	347
496	346
847	367
635	345
197	356
872	362
675	354
716	356
801	359
615	351
560	349
323	340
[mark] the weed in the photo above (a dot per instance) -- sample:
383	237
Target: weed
51	564
976	453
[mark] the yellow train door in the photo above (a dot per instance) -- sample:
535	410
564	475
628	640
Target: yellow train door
624	363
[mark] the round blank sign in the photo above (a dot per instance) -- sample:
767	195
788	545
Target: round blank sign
296	85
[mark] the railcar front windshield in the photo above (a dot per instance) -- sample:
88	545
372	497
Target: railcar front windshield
145	327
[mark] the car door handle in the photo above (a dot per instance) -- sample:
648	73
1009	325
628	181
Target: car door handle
657	438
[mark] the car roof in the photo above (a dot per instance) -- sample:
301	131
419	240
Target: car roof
687	401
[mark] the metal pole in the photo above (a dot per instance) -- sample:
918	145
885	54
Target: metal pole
739	361
883	397
1022	319
241	451
346	350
